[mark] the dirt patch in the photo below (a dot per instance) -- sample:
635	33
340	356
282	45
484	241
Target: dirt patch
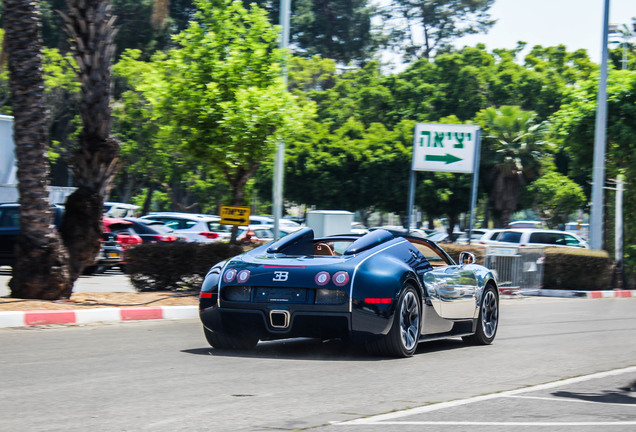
102	300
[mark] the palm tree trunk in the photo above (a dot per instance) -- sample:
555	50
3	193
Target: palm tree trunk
90	26
41	267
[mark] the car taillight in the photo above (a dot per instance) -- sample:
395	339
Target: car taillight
209	234
162	237
378	300
340	278
128	240
322	278
229	275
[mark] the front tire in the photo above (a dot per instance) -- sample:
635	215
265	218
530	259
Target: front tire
488	320
402	339
222	340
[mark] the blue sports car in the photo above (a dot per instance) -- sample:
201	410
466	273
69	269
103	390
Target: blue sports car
386	290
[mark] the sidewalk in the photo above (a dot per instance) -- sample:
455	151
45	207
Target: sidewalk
108	297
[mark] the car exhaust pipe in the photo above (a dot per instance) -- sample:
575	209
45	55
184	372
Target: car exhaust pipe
279	319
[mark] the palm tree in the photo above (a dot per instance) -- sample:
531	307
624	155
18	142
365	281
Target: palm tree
41	267
90	25
513	147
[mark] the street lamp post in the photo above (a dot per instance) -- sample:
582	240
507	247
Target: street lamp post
279	160
598	169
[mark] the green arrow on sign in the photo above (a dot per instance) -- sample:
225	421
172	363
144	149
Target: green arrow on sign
448	158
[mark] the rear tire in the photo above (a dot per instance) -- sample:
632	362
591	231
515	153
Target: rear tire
488	320
402	339
222	340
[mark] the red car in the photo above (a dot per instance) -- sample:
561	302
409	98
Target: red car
126	236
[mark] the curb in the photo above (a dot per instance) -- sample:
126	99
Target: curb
85	316
569	293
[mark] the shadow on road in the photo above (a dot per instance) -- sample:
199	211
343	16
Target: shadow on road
316	349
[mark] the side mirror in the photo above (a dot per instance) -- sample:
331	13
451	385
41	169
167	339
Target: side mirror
466	258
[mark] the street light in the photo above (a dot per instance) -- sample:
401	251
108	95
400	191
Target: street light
279	160
626	34
598	167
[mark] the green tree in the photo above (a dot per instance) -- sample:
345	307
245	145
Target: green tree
513	145
554	197
339	30
439	21
219	95
573	128
41	268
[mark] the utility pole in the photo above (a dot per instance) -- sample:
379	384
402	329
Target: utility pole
598	168
279	160
618	280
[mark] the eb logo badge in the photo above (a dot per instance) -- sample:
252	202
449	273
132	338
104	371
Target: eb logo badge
280	276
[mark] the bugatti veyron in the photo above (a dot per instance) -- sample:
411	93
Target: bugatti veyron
385	290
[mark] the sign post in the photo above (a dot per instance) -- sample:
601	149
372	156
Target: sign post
445	148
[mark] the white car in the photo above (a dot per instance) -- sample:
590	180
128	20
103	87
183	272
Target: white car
490	237
539	237
283	224
195	227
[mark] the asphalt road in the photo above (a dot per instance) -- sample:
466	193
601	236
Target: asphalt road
162	376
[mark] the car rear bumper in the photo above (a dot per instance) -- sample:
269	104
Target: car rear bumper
280	323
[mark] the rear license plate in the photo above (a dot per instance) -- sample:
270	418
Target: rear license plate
280	295
113	255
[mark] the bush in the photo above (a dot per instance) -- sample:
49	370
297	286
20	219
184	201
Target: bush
577	269
175	265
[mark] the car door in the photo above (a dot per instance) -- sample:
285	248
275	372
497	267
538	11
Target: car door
452	291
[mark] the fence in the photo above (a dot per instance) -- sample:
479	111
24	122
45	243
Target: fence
516	268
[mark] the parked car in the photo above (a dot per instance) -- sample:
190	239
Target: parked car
126	236
287	225
10	229
444	237
385	291
259	232
400	229
195	227
110	255
580	229
525	224
490	237
359	228
119	210
539	237
152	231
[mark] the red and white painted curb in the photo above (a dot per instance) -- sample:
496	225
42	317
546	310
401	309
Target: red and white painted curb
84	316
617	293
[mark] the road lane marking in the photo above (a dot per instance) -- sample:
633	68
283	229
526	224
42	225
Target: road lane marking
389	418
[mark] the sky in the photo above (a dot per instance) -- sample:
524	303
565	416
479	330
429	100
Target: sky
573	23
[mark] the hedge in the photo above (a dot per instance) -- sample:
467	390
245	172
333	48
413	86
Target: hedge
175	265
564	268
182	266
577	269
